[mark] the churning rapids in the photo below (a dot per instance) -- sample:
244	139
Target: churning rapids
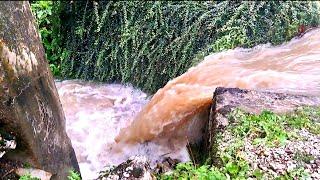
107	123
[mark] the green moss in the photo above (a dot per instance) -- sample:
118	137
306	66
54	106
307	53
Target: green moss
149	43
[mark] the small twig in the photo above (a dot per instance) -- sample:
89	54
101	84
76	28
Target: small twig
190	150
7	173
165	154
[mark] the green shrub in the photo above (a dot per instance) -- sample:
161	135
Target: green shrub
49	27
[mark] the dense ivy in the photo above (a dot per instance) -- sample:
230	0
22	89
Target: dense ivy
149	43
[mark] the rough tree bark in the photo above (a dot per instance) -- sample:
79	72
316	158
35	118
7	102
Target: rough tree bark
29	103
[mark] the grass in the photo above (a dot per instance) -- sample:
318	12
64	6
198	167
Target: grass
266	129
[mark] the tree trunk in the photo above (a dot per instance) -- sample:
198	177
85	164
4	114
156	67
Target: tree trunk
30	108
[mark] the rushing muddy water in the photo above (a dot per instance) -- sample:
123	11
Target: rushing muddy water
94	115
96	112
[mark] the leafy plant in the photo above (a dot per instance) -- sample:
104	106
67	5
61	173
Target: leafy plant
189	171
74	175
27	165
266	127
149	43
274	129
28	177
305	117
297	173
48	23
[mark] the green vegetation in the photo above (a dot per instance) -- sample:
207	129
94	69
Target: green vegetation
303	157
27	165
74	175
189	171
298	173
272	129
149	43
266	129
28	177
48	25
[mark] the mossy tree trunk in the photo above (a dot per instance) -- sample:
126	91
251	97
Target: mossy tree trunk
30	108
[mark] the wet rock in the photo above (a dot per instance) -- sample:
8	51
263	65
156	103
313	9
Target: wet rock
136	167
278	167
291	165
315	175
36	173
30	108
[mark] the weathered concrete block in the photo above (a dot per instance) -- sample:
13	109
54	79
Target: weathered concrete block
225	100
